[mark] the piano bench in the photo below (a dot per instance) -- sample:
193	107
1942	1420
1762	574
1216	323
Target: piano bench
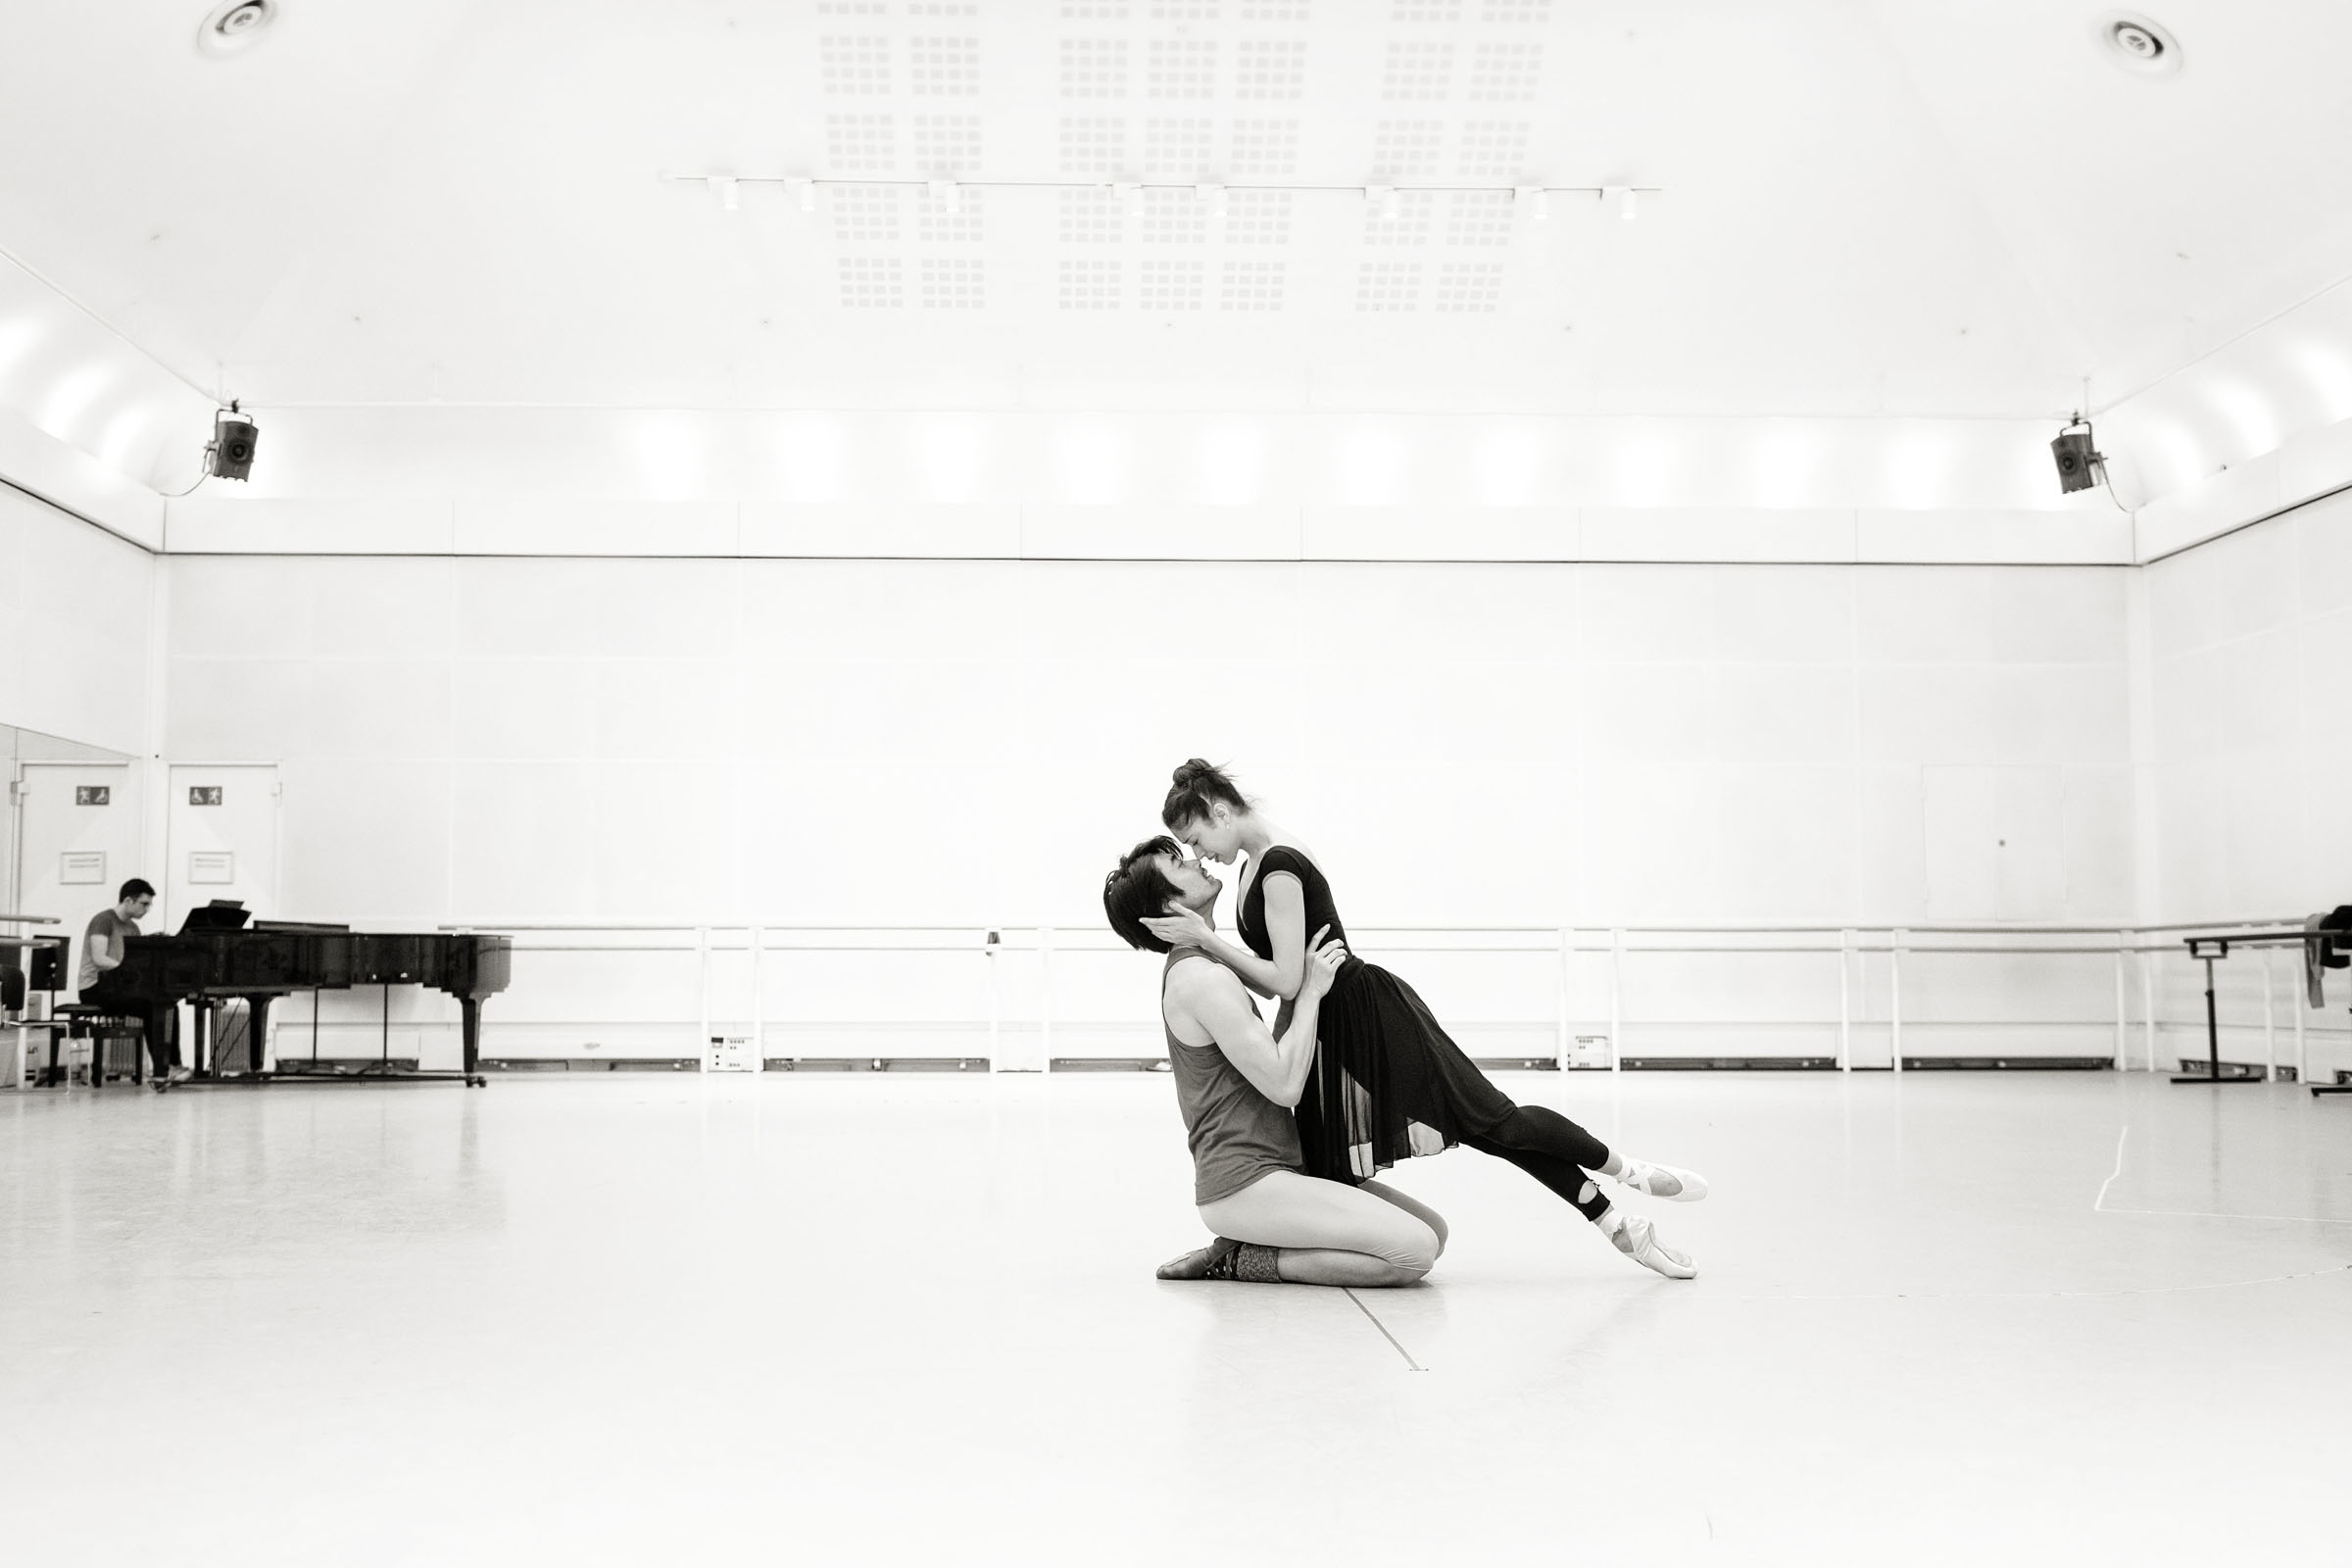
105	1028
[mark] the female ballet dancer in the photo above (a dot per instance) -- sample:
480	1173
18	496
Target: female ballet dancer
1234	1084
1388	1083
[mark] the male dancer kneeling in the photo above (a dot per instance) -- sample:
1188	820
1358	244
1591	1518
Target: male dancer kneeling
1235	1084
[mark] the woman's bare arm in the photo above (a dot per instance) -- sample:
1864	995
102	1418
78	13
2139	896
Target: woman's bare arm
1207	997
1210	997
1286	929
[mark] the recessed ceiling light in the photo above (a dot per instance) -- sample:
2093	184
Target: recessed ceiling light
2137	44
235	25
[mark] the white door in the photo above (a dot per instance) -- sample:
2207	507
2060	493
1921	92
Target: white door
224	838
2030	850
78	827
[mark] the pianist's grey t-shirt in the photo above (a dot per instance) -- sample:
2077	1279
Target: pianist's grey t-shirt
109	925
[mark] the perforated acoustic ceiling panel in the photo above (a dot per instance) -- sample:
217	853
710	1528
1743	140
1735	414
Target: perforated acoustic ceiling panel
1177	107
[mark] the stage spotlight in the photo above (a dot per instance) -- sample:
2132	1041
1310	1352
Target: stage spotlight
2080	465
235	437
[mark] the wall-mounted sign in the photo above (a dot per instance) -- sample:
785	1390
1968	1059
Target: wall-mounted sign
93	795
204	795
81	866
212	867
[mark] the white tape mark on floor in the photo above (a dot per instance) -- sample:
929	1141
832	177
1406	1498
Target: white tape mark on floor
1384	1331
2099	1203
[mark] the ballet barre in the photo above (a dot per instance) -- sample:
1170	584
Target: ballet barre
1872	961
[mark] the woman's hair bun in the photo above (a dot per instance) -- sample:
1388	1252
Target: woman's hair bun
1199	786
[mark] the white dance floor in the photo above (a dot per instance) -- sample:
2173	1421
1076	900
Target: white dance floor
891	1318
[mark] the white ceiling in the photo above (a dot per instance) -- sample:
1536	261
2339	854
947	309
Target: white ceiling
1917	206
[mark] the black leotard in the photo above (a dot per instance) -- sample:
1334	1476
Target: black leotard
1383	1067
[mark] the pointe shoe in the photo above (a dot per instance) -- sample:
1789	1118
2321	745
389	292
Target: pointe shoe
1643	1177
1637	1240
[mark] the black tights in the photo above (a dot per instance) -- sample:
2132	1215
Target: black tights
1552	1149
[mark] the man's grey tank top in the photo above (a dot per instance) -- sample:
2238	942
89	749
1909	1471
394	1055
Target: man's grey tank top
1237	1134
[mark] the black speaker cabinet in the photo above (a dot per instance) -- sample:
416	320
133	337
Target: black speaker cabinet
2077	461
234	438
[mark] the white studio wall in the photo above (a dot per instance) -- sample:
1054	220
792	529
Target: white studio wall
712	742
80	618
2251	734
2253	718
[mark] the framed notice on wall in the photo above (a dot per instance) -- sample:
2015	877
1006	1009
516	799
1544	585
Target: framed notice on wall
81	868
213	867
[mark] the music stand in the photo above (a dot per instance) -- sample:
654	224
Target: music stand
2213	1028
221	915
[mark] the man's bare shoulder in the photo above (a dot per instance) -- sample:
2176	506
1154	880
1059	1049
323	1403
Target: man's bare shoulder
1198	978
1204	1002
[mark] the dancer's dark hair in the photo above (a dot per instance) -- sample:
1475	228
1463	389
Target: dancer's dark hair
1196	786
1139	891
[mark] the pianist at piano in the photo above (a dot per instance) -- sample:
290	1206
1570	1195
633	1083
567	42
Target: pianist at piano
104	943
215	958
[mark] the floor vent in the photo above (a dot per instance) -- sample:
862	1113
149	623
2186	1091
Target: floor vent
1516	1063
598	1065
876	1063
1731	1064
2199	1068
1111	1064
2008	1063
330	1067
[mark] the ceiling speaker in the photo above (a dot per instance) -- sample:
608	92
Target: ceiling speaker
2078	461
235	437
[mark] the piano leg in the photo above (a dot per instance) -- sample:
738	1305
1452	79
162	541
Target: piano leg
471	1008
257	1030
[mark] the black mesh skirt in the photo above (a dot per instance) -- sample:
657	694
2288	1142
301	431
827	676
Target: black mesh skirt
1388	1083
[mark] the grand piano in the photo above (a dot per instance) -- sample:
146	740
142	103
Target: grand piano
275	959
